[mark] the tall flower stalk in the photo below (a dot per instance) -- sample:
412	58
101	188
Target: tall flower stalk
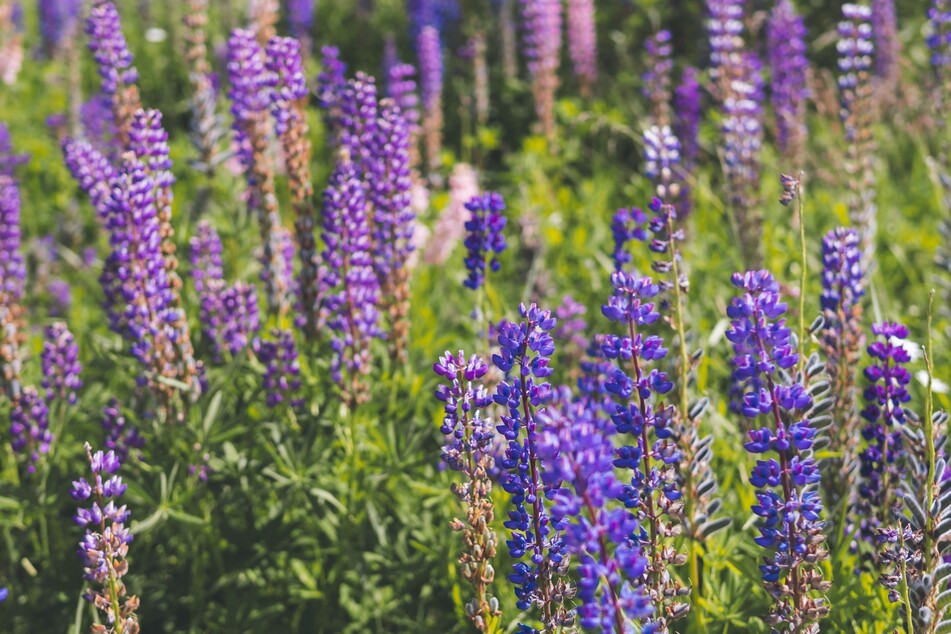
469	436
525	348
789	68
583	43
429	52
541	21
788	504
206	127
112	56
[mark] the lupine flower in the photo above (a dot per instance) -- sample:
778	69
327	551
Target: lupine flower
288	95
331	82
469	435
11	42
626	225
250	81
121	437
58	21
450	227
389	181
9	160
12	265
939	39
352	288
571	331
99	124
240	319
401	88
856	93
791	527
429	54
742	130
725	32
887	46
899	550
300	17
786	45
686	128
577	444
484	238
639	417
583	43
656	79
842	340
542	25
61	366
118	75
358	120
61	296
140	301
92	171
881	462
281	368
105	545
207	130
262	19
30	427
661	161
525	348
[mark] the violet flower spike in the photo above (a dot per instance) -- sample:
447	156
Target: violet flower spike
61	366
484	238
786	37
281	369
542	27
583	43
30	427
121	436
686	128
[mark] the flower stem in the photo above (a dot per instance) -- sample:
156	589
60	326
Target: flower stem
802	276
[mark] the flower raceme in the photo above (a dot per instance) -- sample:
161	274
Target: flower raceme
484	238
788	503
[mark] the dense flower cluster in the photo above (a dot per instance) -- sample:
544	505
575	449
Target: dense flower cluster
881	462
58	21
686	128
647	423
431	71
525	348
583	42
300	17
626	225
121	436
856	95
30	426
661	161
331	83
12	266
281	368
250	81
786	44
401	88
114	61
484	238
469	435
577	444
92	171
939	40
105	545
887	46
542	27
61	366
725	32
352	294
788	504
656	79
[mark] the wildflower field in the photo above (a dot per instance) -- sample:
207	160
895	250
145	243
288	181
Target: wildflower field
446	316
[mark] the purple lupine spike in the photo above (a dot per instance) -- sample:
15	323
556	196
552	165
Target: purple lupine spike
939	38
662	161
429	54
485	239
121	436
30	427
281	368
353	291
106	542
583	42
331	82
525	348
577	445
626	225
646	426
61	366
250	100
300	18
856	94
288	84
208	279
206	128
887	45
109	48
92	171
725	32
542	27
58	21
99	124
358	120
882	461
742	130
656	79
12	265
401	88
9	160
791	527
240	319
786	45
687	113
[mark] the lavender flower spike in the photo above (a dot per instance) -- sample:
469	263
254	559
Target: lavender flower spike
484	238
525	349
121	436
281	368
106	543
12	266
30	427
118	75
791	527
786	35
887	45
686	128
61	366
429	52
542	23
583	43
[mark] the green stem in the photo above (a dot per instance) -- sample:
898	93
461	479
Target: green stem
929	436
802	277
906	595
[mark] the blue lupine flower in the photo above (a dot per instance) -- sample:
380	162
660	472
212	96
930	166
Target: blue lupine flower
484	238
